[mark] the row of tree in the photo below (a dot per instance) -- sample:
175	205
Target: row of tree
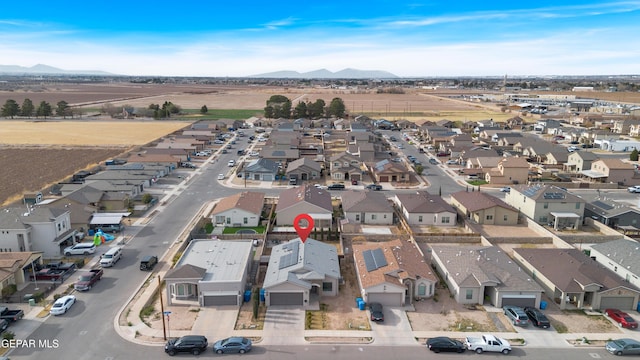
12	109
279	106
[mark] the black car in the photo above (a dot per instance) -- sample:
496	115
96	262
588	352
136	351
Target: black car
336	187
195	344
443	343
148	262
537	318
376	312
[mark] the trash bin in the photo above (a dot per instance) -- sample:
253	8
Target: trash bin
247	296
361	305
543	305
262	292
358	299
32	302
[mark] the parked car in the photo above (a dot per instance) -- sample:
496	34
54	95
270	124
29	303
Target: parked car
148	262
537	318
505	189
233	344
354	182
62	305
623	347
516	314
231	163
84	248
376	312
445	344
336	187
375	187
621	318
452	162
634	189
220	176
195	344
487	342
4	324
433	161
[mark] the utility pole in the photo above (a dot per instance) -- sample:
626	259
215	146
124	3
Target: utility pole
164	329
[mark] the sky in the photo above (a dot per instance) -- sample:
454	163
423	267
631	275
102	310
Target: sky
243	38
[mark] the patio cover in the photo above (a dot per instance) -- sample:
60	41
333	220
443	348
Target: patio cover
593	174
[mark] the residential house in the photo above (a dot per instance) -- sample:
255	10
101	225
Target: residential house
345	167
547	204
624	126
387	171
367	207
618	144
210	273
484	274
620	256
483	208
239	210
393	273
282	156
578	161
16	268
422	208
575	281
611	170
37	229
556	157
305	199
301	273
510	170
612	213
303	169
515	123
260	170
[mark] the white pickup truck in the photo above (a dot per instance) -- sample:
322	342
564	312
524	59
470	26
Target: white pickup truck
487	343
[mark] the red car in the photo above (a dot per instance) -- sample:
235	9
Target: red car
621	318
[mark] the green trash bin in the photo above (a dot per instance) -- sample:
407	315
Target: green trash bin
32	302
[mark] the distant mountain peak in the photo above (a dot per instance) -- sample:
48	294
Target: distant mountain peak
43	69
347	73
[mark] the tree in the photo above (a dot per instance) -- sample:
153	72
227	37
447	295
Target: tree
44	109
316	109
336	108
63	109
10	108
27	108
301	110
634	155
278	106
204	109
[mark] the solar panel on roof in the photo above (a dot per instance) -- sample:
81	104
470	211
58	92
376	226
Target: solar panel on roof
290	258
602	205
378	257
368	260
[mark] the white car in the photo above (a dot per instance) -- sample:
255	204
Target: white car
231	163
452	162
634	189
220	176
505	189
254	154
62	305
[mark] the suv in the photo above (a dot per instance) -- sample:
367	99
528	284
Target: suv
148	262
538	319
111	257
84	248
516	315
195	344
336	187
634	189
376	312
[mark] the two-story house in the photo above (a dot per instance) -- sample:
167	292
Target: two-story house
547	204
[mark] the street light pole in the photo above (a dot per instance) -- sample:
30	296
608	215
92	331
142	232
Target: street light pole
164	329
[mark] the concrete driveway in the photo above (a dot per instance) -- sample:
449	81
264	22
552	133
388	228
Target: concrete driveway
395	330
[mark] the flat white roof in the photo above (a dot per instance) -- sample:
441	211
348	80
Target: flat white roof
224	260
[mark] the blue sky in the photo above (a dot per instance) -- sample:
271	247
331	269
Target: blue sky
406	38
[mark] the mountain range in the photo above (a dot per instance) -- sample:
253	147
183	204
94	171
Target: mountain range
41	69
326	74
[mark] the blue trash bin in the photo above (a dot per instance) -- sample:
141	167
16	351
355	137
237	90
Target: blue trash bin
247	296
358	299
262	292
361	305
543	305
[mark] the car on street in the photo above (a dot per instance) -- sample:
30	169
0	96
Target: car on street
148	262
634	189
318	186
375	187
232	345
445	344
516	314
376	312
194	344
433	161
621	318
62	305
336	187
220	176
231	163
623	347
452	162
505	189
537	318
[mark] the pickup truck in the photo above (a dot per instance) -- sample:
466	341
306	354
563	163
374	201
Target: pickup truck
487	343
49	275
88	279
58	265
10	315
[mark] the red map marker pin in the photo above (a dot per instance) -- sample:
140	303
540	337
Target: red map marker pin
303	232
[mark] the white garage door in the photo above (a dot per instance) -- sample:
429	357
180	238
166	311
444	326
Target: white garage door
386	299
267	177
617	302
521	300
285	298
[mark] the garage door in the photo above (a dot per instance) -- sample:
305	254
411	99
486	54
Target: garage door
387	299
384	178
221	300
617	302
267	177
521	301
285	299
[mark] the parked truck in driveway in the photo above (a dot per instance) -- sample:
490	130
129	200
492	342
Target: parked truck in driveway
487	342
10	315
88	279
